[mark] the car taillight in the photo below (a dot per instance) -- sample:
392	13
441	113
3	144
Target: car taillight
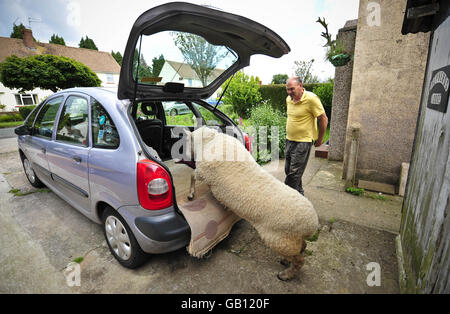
154	186
248	143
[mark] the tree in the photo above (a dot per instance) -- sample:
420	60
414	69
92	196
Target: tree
279	79
45	72
157	65
242	93
17	31
55	39
303	70
199	54
144	69
118	56
87	43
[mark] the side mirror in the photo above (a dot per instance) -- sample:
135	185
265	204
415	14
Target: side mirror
22	130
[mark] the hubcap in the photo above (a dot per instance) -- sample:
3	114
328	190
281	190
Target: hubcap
29	171
118	237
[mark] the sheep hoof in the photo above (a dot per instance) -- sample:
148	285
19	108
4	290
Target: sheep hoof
285	262
190	197
284	276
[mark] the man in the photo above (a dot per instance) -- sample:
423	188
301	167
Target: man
303	110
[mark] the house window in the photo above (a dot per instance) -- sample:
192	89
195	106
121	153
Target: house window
109	78
26	99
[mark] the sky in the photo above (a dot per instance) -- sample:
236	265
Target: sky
108	23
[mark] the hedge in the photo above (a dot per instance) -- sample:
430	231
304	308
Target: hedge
276	94
25	111
10	117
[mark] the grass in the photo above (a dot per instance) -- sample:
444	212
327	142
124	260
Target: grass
314	237
10	124
355	191
78	260
17	192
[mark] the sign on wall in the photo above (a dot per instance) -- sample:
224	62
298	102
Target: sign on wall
439	90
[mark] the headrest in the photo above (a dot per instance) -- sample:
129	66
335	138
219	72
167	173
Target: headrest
149	109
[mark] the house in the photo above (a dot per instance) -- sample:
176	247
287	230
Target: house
183	73
101	63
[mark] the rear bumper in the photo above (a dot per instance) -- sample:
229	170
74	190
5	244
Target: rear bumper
157	232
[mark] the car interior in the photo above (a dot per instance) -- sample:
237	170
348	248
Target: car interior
156	124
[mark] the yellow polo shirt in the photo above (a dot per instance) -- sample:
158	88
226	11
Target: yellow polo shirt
302	116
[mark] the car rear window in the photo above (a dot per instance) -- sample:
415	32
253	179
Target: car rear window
104	131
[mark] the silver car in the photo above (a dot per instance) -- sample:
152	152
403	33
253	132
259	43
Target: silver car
109	154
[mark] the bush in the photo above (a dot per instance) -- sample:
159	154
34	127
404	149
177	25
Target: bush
10	117
242	93
325	93
265	116
25	111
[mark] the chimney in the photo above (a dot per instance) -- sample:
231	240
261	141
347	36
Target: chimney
28	39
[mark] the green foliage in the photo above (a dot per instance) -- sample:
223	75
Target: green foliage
157	65
55	39
336	53
243	93
144	70
25	111
87	43
355	191
45	72
118	56
10	117
280	79
17	31
325	93
315	237
276	94
264	115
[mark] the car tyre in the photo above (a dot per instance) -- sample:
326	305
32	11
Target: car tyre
30	174
121	241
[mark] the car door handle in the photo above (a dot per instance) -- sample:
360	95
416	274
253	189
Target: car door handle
77	159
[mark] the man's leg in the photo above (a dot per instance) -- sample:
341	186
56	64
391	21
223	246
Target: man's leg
299	155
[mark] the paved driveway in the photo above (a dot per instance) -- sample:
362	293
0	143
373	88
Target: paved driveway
41	234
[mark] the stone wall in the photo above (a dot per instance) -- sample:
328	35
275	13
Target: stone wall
341	94
387	80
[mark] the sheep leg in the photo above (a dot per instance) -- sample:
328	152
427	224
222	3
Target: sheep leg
192	188
297	262
286	262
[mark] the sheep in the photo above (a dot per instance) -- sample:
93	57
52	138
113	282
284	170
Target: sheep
282	217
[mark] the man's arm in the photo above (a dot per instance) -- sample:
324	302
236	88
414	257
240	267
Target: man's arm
323	123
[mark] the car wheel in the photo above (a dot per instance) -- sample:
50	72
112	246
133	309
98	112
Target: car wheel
30	174
121	241
173	112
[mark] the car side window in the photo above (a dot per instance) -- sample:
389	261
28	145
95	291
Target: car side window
210	117
104	131
31	116
178	114
73	122
43	127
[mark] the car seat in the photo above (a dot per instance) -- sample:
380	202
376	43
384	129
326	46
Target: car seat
151	130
